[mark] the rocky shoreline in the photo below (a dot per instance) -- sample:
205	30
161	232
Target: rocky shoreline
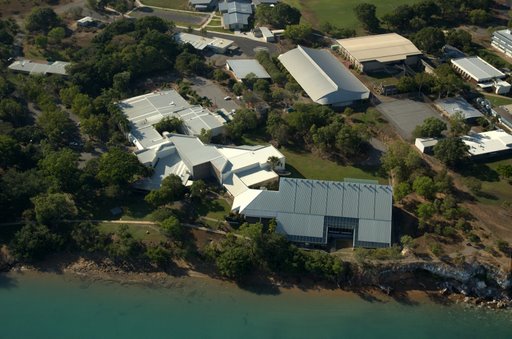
473	284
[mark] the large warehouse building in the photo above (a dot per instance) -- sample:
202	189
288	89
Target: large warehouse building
323	77
315	211
373	53
502	41
482	73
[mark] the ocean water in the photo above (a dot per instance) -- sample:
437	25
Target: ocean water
56	306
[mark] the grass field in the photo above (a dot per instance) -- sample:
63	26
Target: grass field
494	190
139	232
340	12
174	4
215	209
498	101
308	165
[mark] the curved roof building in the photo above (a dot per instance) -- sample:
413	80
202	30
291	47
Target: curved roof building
324	78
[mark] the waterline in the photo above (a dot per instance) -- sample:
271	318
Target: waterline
57	306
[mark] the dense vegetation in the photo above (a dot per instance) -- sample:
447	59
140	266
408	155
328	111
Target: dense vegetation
255	247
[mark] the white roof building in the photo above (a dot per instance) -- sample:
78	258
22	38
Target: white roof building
326	80
477	69
374	51
200	43
312	211
425	145
146	110
32	67
488	144
306	211
235	167
481	72
241	68
452	106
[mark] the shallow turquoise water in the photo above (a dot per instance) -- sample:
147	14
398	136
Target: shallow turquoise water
51	306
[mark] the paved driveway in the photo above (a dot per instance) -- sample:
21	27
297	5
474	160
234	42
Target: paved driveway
406	114
214	92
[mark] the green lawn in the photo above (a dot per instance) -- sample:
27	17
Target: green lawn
308	165
498	100
133	205
494	190
218	29
215	209
138	232
340	12
174	4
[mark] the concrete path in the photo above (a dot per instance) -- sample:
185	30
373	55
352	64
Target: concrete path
210	17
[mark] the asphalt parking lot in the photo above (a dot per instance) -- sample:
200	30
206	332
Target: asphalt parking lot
406	114
214	92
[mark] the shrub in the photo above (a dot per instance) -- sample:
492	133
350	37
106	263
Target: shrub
503	246
473	238
436	250
407	241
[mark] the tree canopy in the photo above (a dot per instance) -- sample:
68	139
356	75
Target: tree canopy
118	167
366	14
42	19
451	151
278	16
430	128
171	189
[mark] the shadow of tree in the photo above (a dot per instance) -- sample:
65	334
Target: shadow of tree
403	298
7	282
481	172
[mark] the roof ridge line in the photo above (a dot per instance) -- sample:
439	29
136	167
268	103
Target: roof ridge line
326	76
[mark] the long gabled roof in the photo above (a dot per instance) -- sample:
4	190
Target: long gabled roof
478	68
326	80
382	47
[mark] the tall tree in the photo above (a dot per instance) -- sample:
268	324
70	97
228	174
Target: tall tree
52	208
366	14
430	128
429	40
117	167
451	151
42	19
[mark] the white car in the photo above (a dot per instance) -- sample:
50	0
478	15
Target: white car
227	98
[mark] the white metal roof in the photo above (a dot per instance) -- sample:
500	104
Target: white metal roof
235	6
453	106
243	67
426	142
370	230
488	142
202	42
477	68
266	32
243	158
256	175
300	204
146	110
32	67
326	80
382	47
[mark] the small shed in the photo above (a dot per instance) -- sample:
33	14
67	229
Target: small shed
267	34
425	145
86	22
